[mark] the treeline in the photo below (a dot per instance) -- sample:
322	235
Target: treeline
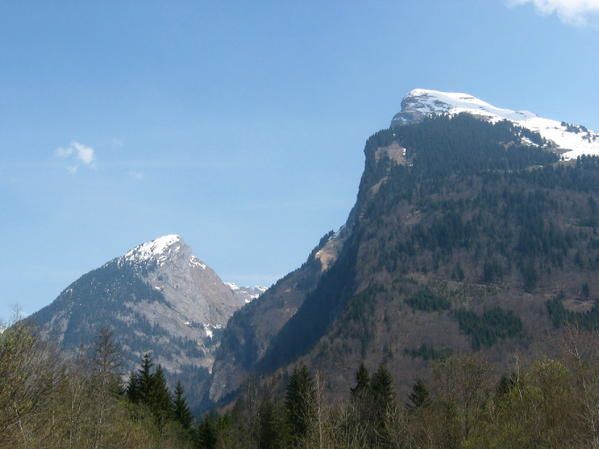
46	402
552	403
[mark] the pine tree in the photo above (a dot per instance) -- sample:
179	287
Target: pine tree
362	382
362	398
382	401
271	429
181	412
145	379
381	387
207	433
300	403
160	398
419	396
132	388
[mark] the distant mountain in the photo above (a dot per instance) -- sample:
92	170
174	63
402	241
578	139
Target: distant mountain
247	294
474	229
157	297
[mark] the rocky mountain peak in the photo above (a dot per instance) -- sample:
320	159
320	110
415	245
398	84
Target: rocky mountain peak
158	251
158	297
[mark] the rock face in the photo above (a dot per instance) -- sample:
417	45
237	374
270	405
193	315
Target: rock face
465	225
159	298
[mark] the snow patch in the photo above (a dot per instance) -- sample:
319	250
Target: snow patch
209	329
232	286
157	249
195	262
572	140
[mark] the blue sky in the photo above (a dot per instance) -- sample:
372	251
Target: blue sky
240	127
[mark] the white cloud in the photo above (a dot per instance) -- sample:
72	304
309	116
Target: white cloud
574	12
77	155
85	154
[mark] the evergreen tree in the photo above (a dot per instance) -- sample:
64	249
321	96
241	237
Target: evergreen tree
382	401
145	379
160	398
132	388
506	383
181	412
419	396
362	382
207	433
381	387
271	429
300	403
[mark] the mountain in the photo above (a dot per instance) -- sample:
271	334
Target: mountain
250	330
246	293
157	297
570	140
475	228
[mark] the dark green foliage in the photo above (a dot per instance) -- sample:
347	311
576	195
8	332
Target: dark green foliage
300	403
464	144
380	403
506	383
373	399
160	398
427	301
494	325
145	379
132	388
362	382
272	428
427	352
148	387
419	396
560	316
383	394
207	432
181	412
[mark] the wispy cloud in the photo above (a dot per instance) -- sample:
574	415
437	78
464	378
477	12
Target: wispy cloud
572	12
117	142
77	155
137	175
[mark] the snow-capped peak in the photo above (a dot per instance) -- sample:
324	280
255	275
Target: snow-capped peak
571	140
247	293
157	249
